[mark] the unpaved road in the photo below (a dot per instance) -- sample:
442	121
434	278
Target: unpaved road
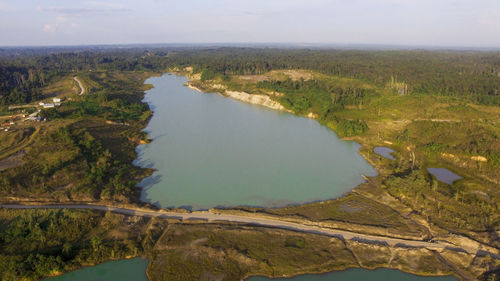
268	222
82	89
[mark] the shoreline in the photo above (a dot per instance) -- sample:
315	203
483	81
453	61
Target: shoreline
391	243
261	100
128	258
283	109
258	102
321	201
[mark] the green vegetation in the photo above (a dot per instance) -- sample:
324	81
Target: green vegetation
323	96
424	130
457	207
349	128
225	252
469	75
354	209
472	76
39	243
434	108
85	151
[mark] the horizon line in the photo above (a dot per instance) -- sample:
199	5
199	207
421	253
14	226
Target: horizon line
325	45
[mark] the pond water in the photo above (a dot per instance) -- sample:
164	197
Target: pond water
122	270
444	175
384	152
213	151
135	270
381	274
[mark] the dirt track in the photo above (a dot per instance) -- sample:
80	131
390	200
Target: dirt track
82	89
269	222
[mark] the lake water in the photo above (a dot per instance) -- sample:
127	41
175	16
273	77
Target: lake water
444	175
122	270
358	274
213	151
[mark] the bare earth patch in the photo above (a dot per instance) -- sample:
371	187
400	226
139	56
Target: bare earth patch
278	75
12	161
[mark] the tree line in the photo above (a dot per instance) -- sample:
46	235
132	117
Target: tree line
465	74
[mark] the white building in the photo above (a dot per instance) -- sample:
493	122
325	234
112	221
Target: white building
34	118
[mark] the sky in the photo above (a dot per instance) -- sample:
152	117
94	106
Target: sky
467	23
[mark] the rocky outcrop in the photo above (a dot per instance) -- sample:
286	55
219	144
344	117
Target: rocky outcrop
262	100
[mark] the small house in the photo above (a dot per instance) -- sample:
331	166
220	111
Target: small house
34	118
56	100
48	105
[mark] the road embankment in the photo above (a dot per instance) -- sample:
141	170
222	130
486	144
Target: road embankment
210	217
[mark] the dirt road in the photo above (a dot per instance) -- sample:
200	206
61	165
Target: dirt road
210	217
82	89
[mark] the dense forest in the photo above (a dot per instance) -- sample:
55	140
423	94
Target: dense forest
474	75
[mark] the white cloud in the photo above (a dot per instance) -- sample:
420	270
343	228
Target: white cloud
49	28
491	20
106	5
61	19
86	8
6	7
434	22
61	22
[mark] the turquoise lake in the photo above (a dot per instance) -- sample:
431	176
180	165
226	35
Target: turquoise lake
122	270
214	151
135	270
381	274
211	151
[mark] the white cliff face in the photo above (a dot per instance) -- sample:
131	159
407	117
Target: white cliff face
255	99
262	100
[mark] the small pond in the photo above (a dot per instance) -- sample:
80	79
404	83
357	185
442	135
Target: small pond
384	152
444	175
